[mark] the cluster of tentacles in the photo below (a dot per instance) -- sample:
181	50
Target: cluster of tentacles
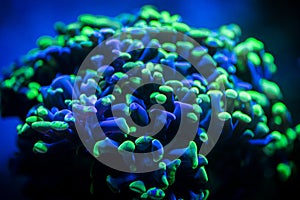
55	98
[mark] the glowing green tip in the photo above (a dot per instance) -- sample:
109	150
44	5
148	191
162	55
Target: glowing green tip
166	89
254	58
271	89
193	154
169	46
242	116
181	27
59	125
224	116
40	147
45	41
31	119
257	110
203	137
255	44
127	146
284	171
160	98
138	186
279	108
244	96
192	116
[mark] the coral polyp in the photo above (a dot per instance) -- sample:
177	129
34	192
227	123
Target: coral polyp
143	106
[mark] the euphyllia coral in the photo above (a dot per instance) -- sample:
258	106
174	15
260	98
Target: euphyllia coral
143	106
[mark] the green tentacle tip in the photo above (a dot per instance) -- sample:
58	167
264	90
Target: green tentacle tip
41	111
284	170
224	116
193	154
31	119
153	193
40	147
138	186
181	27
244	96
279	109
242	116
254	58
45	41
271	89
160	98
297	129
257	110
59	125
192	116
41	125
169	46
254	44
259	98
127	146
203	137
31	94
166	89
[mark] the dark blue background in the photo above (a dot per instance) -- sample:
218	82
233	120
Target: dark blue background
276	23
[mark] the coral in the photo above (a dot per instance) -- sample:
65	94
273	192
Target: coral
224	94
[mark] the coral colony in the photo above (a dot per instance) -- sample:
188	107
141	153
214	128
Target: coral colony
78	119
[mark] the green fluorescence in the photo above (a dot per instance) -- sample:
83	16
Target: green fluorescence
258	110
87	31
154	193
23	128
269	59
31	119
32	93
160	98
40	147
244	96
242	116
254	44
169	46
214	42
291	134
198	52
9	83
136	80
279	109
297	129
224	116
259	98
284	171
193	154
262	128
59	125
186	45
192	116
199	33
203	136
230	93
149	12
181	27
166	89
41	111
127	146
138	186
34	85
271	89
45	41
254	58
172	168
